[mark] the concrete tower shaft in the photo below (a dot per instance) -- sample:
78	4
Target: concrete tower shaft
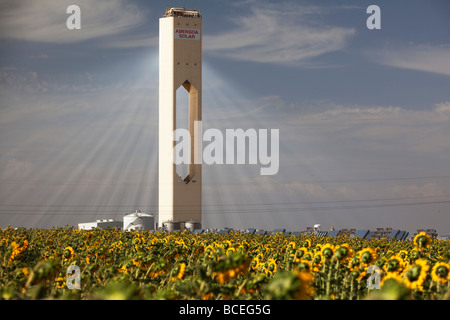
180	65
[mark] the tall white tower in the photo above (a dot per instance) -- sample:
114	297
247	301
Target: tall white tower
180	65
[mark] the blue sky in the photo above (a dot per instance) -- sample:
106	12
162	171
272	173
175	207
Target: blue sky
364	115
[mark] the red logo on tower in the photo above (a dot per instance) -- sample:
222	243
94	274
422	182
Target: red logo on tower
189	34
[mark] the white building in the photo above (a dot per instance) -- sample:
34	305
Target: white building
102	224
138	221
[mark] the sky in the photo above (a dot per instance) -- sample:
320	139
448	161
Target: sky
363	114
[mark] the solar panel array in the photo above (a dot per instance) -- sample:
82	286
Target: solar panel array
361	233
398	235
379	233
333	233
251	230
321	233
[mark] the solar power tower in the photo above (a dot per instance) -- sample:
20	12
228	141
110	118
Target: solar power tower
180	65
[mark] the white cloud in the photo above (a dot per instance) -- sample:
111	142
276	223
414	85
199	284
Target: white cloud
375	129
242	108
131	42
45	20
344	115
434	59
442	108
22	81
272	35
355	113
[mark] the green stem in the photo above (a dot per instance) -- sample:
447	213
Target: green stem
352	287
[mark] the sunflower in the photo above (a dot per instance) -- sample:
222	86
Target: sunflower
181	244
136	263
123	269
318	257
299	254
308	255
60	282
368	256
422	240
270	266
3	242
361	275
181	269
287	285
219	250
307	243
402	254
207	296
291	247
117	245
413	255
260	267
416	274
354	263
17	249
306	289
68	253
259	256
394	265
327	251
226	244
209	250
223	276
318	247
317	261
304	265
243	246
389	253
343	252
441	272
391	276
25	271
254	264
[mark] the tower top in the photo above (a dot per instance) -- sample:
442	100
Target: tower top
182	12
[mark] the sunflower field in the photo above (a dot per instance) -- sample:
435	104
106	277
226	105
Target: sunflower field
233	266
